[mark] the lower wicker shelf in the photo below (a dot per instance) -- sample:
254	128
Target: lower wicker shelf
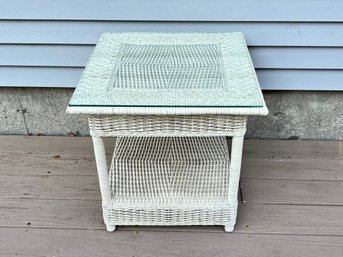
169	181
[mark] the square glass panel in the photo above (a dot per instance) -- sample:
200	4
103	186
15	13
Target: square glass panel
169	70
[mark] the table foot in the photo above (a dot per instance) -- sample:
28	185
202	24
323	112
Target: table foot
110	228
229	228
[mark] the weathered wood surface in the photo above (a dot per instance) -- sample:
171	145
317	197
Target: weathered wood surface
252	218
255	190
288	149
293	169
69	242
48	144
50	204
252	148
40	163
293	192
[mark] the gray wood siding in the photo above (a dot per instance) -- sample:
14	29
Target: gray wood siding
295	45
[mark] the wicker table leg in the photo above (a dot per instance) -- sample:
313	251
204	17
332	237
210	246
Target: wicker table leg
101	164
235	170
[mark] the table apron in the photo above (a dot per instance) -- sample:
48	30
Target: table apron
167	125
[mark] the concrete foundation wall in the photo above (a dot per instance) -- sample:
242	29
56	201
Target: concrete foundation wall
293	114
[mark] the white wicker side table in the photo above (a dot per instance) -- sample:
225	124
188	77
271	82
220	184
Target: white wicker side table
171	99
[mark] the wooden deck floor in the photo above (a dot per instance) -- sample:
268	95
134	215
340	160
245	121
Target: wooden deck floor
50	204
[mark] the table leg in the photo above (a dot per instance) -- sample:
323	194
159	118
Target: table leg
235	170
101	164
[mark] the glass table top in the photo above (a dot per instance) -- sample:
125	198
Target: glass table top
168	70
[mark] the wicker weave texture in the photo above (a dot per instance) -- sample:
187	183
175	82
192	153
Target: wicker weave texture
149	67
171	125
169	181
174	216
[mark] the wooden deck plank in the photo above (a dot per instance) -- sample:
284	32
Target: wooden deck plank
292	169
290	219
49	144
25	164
293	149
255	190
252	218
252	148
52	242
292	192
49	187
65	214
